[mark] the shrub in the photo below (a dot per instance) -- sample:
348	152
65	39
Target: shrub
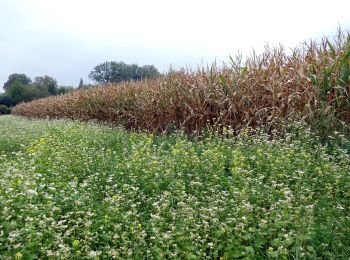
4	110
6	100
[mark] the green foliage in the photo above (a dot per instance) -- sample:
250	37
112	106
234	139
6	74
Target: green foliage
23	93
6	100
21	78
329	73
4	110
16	91
45	85
77	190
81	83
113	72
64	89
19	88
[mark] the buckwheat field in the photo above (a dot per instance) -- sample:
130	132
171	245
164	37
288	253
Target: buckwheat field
72	190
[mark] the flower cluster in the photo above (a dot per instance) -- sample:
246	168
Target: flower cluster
79	190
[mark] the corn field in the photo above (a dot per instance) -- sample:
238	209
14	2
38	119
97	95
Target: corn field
259	91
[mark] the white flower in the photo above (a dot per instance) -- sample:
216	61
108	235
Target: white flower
340	207
32	192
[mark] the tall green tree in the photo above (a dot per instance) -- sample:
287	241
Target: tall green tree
112	72
81	83
21	78
22	93
45	85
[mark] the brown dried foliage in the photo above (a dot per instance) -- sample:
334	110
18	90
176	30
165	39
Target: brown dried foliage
261	91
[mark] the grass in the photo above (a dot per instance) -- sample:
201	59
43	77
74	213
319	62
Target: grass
85	191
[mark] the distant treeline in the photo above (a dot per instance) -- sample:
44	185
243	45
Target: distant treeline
20	88
114	72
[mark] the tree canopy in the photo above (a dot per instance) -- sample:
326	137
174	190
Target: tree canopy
23	93
46	85
21	78
20	88
113	72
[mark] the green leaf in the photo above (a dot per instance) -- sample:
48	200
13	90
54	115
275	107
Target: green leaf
191	256
273	254
313	79
332	48
223	80
244	70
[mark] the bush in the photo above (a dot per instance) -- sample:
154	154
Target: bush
4	110
6	100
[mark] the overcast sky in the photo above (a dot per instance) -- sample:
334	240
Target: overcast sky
67	38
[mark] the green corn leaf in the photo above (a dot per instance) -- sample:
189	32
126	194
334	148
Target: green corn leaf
222	80
313	79
346	56
244	70
332	48
345	75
